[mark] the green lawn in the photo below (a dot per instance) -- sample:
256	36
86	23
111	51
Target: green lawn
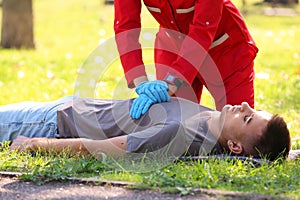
67	32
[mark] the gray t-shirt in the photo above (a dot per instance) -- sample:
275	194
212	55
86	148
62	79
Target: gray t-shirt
177	127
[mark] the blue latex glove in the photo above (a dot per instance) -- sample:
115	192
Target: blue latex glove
156	90
140	106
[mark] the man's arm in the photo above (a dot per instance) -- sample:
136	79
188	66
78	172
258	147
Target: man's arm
113	147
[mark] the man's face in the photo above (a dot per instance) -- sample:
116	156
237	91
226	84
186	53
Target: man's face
244	123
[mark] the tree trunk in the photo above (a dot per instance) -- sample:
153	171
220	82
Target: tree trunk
17	24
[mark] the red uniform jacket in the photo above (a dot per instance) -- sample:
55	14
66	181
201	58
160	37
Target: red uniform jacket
210	26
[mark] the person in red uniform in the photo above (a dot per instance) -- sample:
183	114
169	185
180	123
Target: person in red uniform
199	43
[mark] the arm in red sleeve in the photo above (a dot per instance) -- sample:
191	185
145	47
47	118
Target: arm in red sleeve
127	24
202	30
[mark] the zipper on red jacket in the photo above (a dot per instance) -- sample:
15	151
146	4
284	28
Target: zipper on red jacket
173	15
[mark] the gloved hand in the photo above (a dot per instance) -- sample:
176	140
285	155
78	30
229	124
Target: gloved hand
156	90
140	106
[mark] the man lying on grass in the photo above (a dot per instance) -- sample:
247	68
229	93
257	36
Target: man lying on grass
179	127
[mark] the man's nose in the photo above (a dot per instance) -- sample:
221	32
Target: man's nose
245	107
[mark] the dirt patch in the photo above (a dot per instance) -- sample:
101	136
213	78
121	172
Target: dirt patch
80	189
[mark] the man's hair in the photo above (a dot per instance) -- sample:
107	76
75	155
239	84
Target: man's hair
275	141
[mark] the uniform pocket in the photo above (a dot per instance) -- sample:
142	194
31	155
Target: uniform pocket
185	10
153	9
219	41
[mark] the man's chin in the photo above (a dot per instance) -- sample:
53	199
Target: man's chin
224	109
223	116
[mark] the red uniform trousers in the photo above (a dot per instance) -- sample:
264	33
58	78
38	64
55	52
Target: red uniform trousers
227	72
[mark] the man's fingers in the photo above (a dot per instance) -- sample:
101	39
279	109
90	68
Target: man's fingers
20	143
164	96
137	107
152	95
146	107
140	106
157	94
157	90
133	109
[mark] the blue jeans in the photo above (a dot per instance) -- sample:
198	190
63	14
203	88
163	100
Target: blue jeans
30	119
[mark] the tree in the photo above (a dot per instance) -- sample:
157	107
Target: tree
17	24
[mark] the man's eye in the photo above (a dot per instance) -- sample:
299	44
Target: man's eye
246	118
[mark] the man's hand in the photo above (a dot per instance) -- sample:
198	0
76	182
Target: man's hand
150	92
21	143
140	106
156	90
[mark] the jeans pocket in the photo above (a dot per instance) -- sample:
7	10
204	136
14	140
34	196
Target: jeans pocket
9	132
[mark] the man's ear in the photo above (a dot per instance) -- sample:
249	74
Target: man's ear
235	147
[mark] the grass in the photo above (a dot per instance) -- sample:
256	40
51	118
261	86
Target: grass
66	34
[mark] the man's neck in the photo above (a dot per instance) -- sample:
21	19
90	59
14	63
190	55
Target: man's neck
215	126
